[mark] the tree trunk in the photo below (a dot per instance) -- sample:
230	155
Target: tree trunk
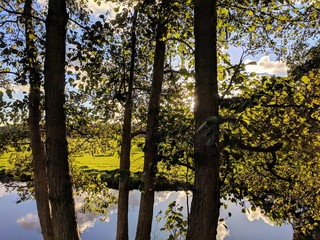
206	196
60	185
37	146
150	157
123	197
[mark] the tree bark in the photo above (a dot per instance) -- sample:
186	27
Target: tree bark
37	145
60	185
206	196
123	197
150	157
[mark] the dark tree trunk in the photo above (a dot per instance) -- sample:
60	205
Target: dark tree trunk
37	146
206	196
123	197
60	185
150	157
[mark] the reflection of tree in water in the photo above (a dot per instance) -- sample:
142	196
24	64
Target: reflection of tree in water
85	219
92	202
3	190
22	189
31	221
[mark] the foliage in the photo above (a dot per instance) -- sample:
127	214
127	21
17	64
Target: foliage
97	197
272	152
269	125
20	166
175	222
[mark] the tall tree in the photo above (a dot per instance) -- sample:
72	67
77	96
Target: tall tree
38	154
206	195
151	150
60	185
123	199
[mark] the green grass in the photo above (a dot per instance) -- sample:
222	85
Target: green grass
108	162
104	162
99	162
4	161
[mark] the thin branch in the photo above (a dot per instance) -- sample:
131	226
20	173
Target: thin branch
182	41
270	149
186	165
22	14
75	22
8	21
7	2
270	167
236	72
136	133
9	72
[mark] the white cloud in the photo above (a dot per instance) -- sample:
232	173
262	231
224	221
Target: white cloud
3	191
222	231
43	2
104	7
256	215
86	220
266	66
30	222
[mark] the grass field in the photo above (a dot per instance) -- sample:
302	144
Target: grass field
105	162
108	162
4	160
99	162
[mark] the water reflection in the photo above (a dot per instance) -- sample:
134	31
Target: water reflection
258	214
3	191
222	231
18	220
30	222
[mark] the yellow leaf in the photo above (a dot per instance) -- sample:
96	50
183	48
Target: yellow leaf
269	26
305	80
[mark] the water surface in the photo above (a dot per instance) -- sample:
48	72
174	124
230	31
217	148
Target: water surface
20	221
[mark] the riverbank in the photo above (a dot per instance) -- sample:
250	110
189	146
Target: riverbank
171	178
111	177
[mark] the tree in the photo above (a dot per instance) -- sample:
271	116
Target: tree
123	199
37	146
206	194
151	153
60	185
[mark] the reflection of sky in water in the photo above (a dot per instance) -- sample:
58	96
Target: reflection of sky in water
249	226
30	222
3	191
256	215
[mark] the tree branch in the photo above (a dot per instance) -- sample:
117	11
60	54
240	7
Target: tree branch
186	165
270	168
236	72
22	14
9	72
270	149
136	133
182	41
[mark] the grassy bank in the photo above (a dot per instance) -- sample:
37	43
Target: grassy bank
107	166
4	164
103	162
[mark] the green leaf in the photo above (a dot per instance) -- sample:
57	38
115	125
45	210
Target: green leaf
9	93
244	89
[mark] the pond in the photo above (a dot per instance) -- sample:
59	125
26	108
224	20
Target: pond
20	221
